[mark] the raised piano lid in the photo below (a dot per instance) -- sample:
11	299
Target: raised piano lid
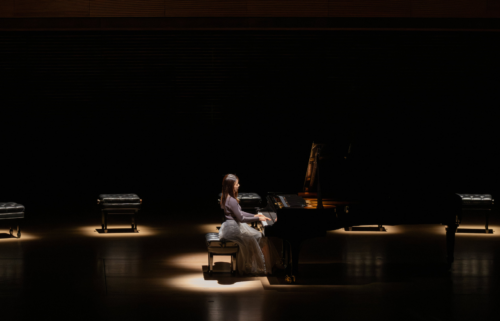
332	168
311	168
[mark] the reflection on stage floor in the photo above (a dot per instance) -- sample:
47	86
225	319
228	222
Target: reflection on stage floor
162	269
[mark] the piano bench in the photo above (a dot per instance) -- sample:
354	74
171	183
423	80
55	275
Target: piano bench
217	246
477	202
126	204
13	212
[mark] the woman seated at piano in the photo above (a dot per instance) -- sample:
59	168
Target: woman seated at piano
256	255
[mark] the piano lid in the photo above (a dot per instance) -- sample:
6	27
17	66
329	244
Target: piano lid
311	168
331	166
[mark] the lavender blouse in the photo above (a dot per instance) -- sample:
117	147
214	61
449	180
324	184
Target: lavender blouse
233	211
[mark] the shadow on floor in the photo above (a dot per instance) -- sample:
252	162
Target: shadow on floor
7	236
475	231
117	231
222	274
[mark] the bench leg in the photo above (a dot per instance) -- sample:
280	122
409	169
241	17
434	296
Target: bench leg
210	262
134	224
487	221
233	263
19	231
104	221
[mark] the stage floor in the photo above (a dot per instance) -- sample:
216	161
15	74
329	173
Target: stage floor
64	269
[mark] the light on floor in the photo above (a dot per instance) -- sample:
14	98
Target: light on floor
116	231
6	237
193	261
196	282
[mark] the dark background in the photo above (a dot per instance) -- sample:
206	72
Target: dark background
165	114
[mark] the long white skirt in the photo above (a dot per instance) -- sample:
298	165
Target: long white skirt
256	255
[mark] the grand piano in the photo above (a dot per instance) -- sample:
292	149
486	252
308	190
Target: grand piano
353	203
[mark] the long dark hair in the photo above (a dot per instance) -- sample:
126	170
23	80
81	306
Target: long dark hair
228	189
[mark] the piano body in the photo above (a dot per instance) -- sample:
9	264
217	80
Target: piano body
347	206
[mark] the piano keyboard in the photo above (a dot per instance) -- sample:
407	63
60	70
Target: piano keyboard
270	215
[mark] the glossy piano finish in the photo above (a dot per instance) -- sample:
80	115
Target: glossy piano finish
293	229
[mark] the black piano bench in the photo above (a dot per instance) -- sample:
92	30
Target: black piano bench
125	204
217	246
14	213
477	202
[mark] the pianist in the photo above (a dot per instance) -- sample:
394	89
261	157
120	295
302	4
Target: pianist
257	255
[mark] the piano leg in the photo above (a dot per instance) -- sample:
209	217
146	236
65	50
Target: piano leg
294	266
450	242
285	257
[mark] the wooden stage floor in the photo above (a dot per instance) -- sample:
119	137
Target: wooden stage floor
64	269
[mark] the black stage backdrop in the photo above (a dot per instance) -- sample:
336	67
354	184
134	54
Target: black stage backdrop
166	114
